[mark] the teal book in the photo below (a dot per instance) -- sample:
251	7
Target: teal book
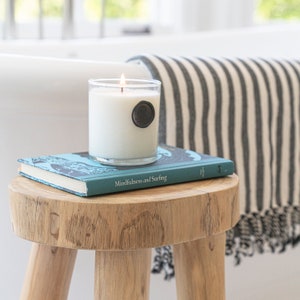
79	174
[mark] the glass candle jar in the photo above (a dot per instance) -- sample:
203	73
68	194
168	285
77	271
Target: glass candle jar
123	121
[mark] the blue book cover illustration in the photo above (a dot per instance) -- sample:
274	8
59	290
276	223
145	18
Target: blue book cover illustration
78	173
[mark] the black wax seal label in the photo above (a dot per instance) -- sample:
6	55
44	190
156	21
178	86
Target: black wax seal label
143	114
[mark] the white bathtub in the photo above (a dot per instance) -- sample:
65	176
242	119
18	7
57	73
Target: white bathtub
43	109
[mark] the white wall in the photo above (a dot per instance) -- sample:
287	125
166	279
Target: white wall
280	41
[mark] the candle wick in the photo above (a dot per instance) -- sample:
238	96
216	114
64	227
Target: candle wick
122	89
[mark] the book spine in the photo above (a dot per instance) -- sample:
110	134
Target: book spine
158	178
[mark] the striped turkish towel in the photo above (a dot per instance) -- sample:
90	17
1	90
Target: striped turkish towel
247	110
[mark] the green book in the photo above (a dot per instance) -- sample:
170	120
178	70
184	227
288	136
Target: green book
79	174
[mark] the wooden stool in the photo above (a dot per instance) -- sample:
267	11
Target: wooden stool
123	228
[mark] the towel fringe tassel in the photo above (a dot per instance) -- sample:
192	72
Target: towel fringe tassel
271	232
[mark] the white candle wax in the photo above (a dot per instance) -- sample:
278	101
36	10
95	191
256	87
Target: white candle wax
112	131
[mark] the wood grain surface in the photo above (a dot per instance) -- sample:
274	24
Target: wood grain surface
131	220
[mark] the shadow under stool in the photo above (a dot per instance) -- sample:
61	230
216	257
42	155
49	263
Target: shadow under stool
122	228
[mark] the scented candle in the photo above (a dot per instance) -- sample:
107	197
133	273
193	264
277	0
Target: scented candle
123	120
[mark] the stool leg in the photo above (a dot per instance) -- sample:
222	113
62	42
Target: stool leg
200	269
49	273
122	275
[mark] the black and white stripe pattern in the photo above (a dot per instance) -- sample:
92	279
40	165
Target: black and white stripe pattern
247	110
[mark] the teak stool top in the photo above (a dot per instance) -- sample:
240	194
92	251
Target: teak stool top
145	218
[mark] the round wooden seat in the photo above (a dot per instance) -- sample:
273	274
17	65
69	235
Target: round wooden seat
123	228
